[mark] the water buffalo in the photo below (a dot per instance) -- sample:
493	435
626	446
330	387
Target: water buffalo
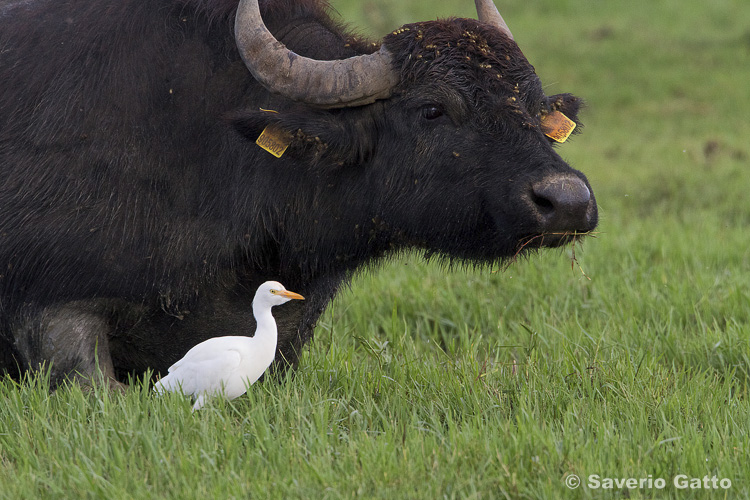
138	212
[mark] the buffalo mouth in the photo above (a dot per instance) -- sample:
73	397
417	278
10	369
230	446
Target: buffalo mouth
550	240
564	210
490	241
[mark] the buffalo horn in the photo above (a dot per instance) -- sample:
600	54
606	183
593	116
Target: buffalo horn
488	13
348	82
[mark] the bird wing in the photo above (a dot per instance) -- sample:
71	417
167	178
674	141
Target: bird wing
205	367
207	349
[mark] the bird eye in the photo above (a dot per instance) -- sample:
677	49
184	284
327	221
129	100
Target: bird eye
273	291
432	112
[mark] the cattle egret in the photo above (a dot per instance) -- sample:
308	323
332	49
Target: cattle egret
227	366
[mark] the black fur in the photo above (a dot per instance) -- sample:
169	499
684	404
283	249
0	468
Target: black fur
135	221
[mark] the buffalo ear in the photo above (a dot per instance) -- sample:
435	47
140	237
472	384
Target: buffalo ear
567	104
250	124
333	136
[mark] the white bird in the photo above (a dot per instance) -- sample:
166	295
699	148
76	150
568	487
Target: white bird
227	366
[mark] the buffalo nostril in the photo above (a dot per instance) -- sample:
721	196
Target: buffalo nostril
563	203
544	205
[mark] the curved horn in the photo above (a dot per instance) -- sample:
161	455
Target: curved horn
488	13
354	81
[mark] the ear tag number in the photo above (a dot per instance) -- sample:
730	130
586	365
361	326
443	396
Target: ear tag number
274	140
557	126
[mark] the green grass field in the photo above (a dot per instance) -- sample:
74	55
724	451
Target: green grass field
629	358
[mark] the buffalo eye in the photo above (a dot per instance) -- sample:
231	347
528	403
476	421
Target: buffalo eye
432	112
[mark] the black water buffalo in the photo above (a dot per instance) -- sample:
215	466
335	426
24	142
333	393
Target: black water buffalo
138	215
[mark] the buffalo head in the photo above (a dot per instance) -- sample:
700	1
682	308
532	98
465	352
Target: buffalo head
445	122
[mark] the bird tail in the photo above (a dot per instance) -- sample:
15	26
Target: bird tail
163	385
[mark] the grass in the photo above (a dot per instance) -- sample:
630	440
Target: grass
426	382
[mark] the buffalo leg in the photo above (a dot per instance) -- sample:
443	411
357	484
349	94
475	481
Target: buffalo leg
72	340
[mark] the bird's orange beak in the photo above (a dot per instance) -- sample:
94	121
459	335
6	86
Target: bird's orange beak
290	295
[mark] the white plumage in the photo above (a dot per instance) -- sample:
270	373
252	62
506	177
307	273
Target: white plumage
227	366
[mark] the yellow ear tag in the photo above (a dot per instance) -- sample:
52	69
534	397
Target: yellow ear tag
557	126
274	140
